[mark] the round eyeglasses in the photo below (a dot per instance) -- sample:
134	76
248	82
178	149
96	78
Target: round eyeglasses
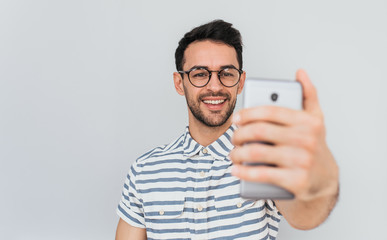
200	77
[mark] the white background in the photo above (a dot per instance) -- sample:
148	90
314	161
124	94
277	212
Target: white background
86	87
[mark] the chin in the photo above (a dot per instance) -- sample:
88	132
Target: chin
215	123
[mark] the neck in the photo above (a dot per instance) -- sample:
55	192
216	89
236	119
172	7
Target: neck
205	135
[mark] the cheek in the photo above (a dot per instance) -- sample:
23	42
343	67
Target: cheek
190	94
235	93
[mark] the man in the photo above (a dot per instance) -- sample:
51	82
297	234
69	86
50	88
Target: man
189	189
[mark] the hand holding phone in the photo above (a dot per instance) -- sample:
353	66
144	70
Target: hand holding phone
304	165
260	92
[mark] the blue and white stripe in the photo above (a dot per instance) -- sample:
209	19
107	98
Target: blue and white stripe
186	191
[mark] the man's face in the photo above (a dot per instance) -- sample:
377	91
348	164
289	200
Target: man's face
213	104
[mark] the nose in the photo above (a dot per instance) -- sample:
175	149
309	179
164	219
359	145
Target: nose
214	84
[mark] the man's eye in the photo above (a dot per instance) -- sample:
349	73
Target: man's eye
227	74
200	75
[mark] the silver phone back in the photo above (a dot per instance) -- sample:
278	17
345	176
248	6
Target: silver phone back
258	92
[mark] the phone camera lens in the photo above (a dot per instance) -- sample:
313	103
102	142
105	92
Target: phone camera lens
274	97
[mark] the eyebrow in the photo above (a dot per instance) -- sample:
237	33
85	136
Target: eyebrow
221	67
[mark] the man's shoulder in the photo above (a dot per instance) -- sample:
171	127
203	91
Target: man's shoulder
165	151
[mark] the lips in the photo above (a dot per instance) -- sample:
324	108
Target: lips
214	103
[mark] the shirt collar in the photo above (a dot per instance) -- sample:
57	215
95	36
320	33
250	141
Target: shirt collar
219	149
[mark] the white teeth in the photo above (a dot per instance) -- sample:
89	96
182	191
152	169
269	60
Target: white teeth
213	101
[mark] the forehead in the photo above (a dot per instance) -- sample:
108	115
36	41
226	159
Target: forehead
210	54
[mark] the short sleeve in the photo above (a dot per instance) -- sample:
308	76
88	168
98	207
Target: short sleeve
130	208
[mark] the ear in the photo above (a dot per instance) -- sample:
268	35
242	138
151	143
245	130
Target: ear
241	83
178	81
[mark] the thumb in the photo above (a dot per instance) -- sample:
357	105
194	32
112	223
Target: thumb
310	99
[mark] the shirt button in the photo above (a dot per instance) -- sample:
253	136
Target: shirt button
239	205
205	151
161	212
202	173
200	208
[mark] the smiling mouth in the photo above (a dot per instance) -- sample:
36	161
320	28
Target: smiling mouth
214	102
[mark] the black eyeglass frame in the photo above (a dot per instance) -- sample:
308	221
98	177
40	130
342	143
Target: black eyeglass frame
210	75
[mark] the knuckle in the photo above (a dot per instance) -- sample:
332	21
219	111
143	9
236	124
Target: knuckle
305	160
311	143
298	139
308	141
317	125
302	182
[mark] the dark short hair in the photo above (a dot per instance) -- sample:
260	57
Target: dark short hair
217	31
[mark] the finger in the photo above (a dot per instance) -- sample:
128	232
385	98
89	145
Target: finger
260	132
271	133
289	179
310	98
274	114
254	153
280	156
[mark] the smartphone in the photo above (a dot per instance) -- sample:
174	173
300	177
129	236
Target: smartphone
258	92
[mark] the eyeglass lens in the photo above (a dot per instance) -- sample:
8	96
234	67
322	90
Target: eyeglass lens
201	76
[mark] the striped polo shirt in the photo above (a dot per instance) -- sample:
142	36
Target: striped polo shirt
186	191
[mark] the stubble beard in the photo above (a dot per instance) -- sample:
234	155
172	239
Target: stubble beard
215	118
